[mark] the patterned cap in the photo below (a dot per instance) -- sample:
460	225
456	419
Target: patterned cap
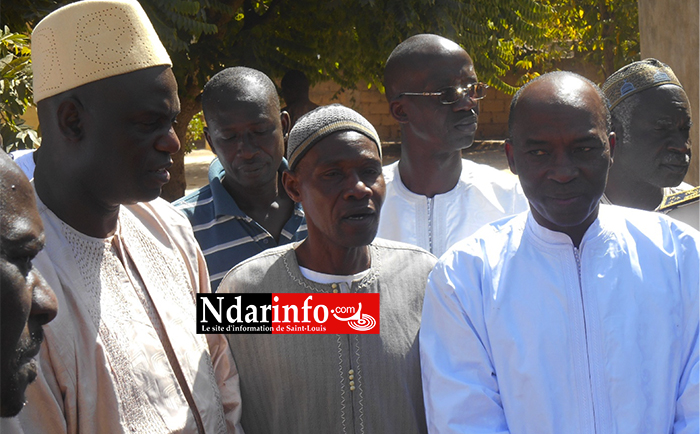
90	40
322	122
636	77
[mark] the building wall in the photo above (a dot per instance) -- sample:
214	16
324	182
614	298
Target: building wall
669	31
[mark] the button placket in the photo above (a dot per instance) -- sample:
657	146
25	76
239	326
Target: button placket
351	377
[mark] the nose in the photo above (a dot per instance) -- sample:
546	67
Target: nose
680	142
563	170
466	103
357	189
168	142
245	146
44	303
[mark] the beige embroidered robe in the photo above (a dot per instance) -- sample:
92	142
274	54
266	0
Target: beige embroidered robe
125	332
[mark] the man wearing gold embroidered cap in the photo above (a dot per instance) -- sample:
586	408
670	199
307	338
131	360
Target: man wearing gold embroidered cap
651	116
123	355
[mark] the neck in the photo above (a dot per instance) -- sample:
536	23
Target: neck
575	233
332	260
628	191
427	173
252	200
83	213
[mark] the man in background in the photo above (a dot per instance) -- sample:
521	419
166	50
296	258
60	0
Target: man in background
295	91
244	209
434	197
651	117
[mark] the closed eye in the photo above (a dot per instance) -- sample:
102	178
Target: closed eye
331	174
23	262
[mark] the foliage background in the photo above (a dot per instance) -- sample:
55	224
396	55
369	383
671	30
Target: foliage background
349	40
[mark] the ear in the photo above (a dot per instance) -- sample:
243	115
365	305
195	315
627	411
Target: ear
286	123
207	137
291	185
70	114
509	156
612	139
397	111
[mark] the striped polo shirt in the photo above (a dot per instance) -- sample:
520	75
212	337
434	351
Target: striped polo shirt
226	234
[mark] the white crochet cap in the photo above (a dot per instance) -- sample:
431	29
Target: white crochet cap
322	122
90	40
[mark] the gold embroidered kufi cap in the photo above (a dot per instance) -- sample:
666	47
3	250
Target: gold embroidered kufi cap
90	40
636	77
322	122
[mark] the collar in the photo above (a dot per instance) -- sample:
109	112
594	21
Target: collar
559	239
404	192
294	271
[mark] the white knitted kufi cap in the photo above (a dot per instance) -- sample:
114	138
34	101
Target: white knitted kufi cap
322	122
90	40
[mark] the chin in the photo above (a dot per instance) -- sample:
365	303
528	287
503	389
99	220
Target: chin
673	181
461	143
13	397
144	196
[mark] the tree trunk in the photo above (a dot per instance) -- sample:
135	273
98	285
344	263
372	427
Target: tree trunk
608	39
190	105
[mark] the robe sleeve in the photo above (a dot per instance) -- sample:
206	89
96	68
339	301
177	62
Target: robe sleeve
687	418
225	370
460	385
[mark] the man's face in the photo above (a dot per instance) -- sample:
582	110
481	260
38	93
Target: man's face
444	127
561	151
26	302
658	151
339	183
129	123
246	132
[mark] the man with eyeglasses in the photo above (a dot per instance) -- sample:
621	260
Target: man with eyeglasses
434	198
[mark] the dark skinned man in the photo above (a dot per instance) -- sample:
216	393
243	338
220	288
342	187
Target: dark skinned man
651	116
26	301
575	317
309	383
122	354
434	197
244	209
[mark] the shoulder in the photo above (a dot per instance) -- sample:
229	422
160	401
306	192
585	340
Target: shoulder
654	227
401	254
490	241
681	196
161	209
399	248
159	217
481	174
252	271
197	199
390	172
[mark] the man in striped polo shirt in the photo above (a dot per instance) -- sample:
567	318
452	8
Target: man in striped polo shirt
244	209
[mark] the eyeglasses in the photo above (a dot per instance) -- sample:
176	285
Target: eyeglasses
452	94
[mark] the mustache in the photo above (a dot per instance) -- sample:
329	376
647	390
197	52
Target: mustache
676	159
